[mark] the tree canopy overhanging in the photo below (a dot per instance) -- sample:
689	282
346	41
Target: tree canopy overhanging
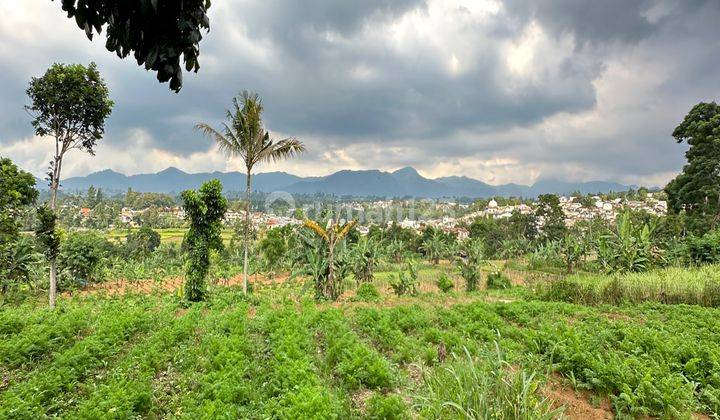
157	32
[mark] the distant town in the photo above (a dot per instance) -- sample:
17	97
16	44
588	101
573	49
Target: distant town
450	216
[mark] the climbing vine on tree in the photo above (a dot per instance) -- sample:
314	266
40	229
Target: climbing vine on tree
204	210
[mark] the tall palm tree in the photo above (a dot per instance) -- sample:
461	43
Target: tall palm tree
243	135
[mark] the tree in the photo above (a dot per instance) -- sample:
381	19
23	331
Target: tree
70	103
696	190
158	33
17	189
552	217
143	242
244	136
273	248
205	209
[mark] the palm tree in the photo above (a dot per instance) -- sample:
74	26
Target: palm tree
243	135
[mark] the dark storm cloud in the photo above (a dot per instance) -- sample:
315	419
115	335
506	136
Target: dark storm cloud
378	74
588	20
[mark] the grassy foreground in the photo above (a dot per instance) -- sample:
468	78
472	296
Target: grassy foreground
277	355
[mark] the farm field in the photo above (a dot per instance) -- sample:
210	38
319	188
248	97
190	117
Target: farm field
360	210
167	235
278	354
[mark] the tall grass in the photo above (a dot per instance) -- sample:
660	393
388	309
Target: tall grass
693	286
485	387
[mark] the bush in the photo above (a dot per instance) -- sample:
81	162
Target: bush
142	243
80	259
444	283
704	249
367	292
386	407
497	280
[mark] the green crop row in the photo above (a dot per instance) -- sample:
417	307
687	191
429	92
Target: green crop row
653	360
37	396
351	360
45	336
294	386
218	369
127	390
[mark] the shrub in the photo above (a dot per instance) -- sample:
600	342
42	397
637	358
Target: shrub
386	407
444	283
497	280
19	261
363	258
367	292
704	249
406	281
546	254
80	258
628	247
471	274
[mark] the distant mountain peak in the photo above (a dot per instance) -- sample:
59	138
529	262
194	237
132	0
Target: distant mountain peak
172	170
407	171
404	182
106	172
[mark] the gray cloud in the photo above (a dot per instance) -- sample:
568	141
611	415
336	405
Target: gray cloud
506	92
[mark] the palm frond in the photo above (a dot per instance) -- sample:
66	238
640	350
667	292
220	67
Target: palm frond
281	150
244	135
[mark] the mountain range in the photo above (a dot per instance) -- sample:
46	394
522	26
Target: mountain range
405	182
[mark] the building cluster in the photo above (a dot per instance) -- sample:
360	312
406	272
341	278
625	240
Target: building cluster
608	210
575	210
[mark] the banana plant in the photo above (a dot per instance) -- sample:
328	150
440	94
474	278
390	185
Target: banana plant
331	237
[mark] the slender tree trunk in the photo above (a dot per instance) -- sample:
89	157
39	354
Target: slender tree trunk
246	233
54	184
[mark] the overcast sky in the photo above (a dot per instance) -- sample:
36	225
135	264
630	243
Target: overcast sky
502	91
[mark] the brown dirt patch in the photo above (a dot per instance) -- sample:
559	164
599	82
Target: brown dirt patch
576	403
360	398
170	284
